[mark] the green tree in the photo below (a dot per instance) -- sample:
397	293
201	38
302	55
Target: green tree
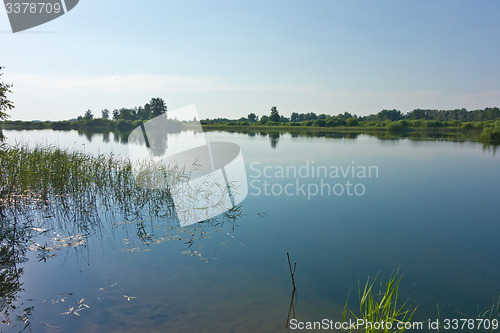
116	114
127	114
157	106
275	116
252	118
147	111
347	115
105	114
310	116
392	115
352	122
5	103
294	116
143	112
88	115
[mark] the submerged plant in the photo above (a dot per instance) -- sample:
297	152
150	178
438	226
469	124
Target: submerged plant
381	310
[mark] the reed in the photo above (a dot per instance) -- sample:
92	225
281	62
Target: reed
382	305
52	198
44	177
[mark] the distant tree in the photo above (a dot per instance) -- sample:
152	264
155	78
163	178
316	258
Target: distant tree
352	121
333	122
346	115
157	106
116	114
294	116
127	114
135	113
147	111
105	114
252	118
275	116
88	115
310	116
264	119
144	113
392	115
319	123
5	103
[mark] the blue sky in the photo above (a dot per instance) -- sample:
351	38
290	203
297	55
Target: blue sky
231	58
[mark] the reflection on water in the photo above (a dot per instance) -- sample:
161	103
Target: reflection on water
13	242
84	255
274	135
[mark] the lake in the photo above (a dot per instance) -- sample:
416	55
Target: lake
346	208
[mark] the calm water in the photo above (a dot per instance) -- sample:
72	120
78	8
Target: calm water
427	207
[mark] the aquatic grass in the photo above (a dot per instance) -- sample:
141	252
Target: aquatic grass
487	319
491	314
76	190
53	199
73	179
380	306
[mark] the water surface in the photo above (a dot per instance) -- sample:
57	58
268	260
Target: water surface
430	209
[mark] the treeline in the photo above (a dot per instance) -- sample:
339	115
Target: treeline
154	108
461	115
346	119
484	123
124	119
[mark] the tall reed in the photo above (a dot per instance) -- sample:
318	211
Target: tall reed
382	305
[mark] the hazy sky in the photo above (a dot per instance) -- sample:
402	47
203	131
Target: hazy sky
231	58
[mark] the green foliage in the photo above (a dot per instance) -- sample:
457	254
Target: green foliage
275	116
272	123
383	304
5	103
105	114
392	115
332	123
352	122
155	107
461	115
433	123
319	123
491	133
126	125
399	125
252	118
88	115
158	107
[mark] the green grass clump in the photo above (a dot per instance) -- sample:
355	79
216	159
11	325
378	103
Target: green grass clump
73	183
382	305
